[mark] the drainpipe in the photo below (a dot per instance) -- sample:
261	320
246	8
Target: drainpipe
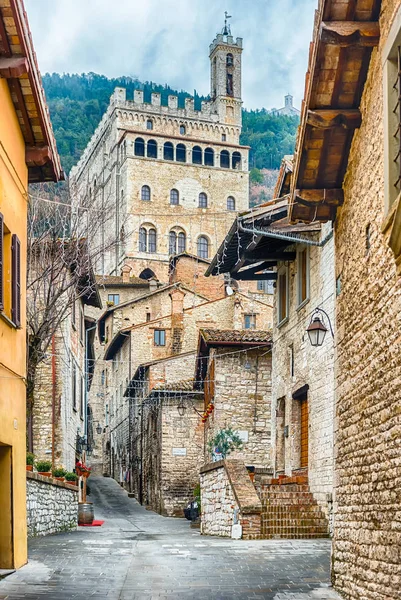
54	379
287	238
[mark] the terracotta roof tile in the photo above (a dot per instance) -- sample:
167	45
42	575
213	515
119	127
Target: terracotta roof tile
236	336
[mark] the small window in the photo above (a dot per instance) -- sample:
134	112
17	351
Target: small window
172	242
250	321
197	155
229	60
223	137
114	298
236	160
368	238
209	157
159	337
168	151
139	147
224	159
266	286
282	295
230	203
143	235
202	200
145	193
303	276
149	124
81	324
73	313
103	377
152	242
174	197
182	130
74	386
181	153
106	415
148	316
181	242
81	397
203	247
152	149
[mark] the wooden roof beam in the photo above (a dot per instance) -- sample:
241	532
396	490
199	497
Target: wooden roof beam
37	156
350	33
255	277
333	197
329	118
261	255
13	67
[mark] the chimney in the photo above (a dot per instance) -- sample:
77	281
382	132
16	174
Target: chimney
177	319
126	273
153	284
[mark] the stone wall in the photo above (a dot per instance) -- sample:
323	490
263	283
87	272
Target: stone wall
228	497
52	506
367	538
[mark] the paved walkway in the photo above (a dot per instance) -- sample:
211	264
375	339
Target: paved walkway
139	555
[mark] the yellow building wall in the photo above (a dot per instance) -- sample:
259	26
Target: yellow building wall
13	206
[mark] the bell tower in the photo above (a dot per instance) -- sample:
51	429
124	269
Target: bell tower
225	71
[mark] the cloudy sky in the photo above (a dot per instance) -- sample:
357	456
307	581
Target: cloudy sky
167	41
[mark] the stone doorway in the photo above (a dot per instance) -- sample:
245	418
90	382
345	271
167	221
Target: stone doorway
300	410
304	434
6	508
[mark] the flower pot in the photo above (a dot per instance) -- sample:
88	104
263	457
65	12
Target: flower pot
29	467
86	513
45	473
72	483
59	478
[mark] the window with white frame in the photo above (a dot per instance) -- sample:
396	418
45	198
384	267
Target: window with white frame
159	337
250	321
303	275
266	286
282	295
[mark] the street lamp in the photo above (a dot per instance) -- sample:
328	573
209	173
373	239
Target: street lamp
181	409
317	329
99	429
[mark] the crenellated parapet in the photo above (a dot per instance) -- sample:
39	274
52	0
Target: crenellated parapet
225	40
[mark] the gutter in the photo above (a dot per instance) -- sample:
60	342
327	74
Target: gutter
287	238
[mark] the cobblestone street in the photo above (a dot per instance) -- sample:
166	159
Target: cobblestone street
140	555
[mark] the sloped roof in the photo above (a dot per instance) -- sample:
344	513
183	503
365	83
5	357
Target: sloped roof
216	337
117	281
186	385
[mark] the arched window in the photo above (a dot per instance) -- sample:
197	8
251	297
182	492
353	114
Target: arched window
182	130
229	60
224	159
209	157
152	240
172	242
230	203
202	200
203	247
147	274
149	124
181	153
139	147
181	242
168	151
145	192
152	149
236	160
197	155
143	235
174	197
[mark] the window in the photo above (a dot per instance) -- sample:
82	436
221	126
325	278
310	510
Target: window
230	87
145	193
149	124
282	305
209	157
230	203
174	197
182	130
152	240
151	149
148	316
236	160
266	286
143	236
202	200
224	159
159	337
114	298
15	280
368	238
303	275
203	247
223	137
103	377
197	155
106	415
172	242
73	314
168	151
250	321
81	397
229	60
139	147
181	153
181	242
74	386
81	323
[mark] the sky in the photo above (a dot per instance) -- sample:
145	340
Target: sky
167	41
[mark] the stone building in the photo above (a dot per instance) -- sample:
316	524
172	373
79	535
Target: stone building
288	110
349	172
234	371
171	177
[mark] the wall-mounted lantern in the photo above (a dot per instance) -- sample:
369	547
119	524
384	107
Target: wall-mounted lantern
181	409
99	429
317	329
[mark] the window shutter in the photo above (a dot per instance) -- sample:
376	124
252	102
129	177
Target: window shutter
16	280
1	262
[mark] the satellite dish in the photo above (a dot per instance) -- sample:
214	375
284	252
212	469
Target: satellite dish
229	290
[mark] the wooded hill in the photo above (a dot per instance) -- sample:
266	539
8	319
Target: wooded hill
77	103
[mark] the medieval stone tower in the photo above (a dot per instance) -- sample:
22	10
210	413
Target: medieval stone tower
170	179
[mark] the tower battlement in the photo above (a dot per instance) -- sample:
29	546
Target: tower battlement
227	40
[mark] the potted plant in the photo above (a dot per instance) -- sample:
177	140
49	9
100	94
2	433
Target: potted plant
43	467
71	478
30	459
224	442
59	473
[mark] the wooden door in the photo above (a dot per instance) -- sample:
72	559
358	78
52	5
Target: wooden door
304	433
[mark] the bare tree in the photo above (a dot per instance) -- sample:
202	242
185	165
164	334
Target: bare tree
66	242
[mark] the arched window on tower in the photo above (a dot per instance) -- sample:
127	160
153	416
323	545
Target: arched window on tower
174	197
181	153
203	247
145	193
229	60
202	200
236	160
225	159
152	149
230	203
139	147
197	155
168	151
149	124
143	240
172	242
182	242
209	157
152	241
229	74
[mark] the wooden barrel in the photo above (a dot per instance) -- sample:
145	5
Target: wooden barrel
86	513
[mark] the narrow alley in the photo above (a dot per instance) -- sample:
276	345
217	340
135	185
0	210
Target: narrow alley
139	555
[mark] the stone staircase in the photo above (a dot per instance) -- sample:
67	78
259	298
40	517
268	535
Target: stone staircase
289	509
